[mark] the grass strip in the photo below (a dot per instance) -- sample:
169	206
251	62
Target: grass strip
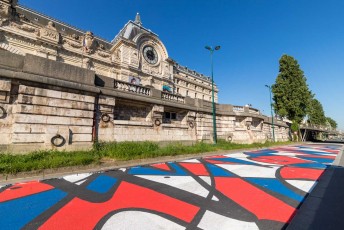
51	159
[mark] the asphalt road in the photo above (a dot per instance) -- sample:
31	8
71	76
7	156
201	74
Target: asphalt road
247	190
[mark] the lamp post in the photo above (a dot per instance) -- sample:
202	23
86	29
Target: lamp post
211	49
272	115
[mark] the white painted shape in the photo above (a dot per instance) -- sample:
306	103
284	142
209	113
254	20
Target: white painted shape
312	149
123	169
251	170
137	220
211	220
215	198
76	177
304	185
80	182
236	155
190	161
186	183
206	179
286	154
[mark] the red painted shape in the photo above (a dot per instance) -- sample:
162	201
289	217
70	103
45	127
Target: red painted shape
81	214
23	189
162	166
282	160
196	168
300	173
260	203
332	151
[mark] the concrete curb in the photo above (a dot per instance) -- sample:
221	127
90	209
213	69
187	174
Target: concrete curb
339	161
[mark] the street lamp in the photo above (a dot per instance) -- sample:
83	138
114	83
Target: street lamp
272	115
211	49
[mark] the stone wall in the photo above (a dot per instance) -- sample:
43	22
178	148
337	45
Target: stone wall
38	114
42	108
6	115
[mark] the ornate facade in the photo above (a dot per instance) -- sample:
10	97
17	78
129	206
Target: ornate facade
124	58
58	83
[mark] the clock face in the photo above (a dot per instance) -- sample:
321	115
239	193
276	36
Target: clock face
150	55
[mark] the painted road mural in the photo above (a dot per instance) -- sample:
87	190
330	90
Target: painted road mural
248	190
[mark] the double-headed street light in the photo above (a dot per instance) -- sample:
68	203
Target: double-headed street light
272	115
211	49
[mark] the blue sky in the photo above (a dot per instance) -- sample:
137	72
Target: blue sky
253	35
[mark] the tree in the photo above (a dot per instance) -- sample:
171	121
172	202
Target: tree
316	113
332	122
291	93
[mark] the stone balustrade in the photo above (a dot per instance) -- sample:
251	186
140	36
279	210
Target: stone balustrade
254	111
239	109
172	97
125	86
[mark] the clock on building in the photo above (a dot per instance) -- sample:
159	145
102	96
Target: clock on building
150	55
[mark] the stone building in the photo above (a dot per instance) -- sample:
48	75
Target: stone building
61	87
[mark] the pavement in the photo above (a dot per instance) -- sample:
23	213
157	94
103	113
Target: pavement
294	187
323	207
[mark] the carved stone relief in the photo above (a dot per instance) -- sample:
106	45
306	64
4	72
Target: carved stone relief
73	44
49	33
89	42
116	56
24	27
166	70
103	54
5	13
134	60
22	17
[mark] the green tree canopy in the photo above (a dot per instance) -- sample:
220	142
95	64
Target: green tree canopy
291	93
332	122
316	114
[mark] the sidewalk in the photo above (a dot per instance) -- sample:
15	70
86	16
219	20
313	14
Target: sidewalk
324	206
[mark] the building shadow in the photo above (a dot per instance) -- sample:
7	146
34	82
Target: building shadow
324	206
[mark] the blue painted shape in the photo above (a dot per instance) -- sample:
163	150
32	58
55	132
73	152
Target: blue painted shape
310	165
233	160
312	152
217	171
178	170
141	170
15	214
275	185
319	160
102	184
263	151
